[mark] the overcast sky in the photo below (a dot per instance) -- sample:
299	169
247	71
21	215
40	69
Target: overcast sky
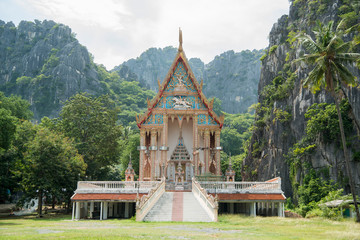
117	30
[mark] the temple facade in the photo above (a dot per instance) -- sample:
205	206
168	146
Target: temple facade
179	166
179	132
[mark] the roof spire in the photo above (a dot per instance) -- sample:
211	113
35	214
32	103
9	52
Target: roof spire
180	40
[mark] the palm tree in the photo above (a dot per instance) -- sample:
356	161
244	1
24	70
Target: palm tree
330	55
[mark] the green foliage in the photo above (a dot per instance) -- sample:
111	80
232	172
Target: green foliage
263	56
323	121
91	122
217	106
18	107
236	162
281	115
235	132
273	49
128	144
52	163
24	80
128	95
8	127
52	61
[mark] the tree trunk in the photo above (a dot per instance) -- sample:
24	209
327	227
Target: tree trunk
347	160
53	202
357	124
40	204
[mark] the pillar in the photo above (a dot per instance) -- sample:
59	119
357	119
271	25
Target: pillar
279	209
142	154
253	209
101	210
86	210
207	150
126	210
272	209
73	211
231	208
111	209
153	143
105	212
77	211
91	209
217	154
195	146
164	142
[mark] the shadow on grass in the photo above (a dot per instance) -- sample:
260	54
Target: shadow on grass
8	224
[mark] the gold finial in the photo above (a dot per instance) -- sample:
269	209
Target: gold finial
180	40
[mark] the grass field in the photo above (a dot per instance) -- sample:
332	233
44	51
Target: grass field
228	227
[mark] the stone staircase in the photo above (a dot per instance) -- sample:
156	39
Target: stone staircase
162	210
177	206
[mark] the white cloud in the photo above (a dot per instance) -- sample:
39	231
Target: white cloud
116	30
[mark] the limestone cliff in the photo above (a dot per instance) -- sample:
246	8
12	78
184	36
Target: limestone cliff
283	102
45	64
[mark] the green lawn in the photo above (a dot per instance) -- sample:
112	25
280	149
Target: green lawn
228	227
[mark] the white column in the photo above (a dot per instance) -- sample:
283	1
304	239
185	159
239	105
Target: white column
91	209
279	213
272	209
77	211
253	209
111	209
126	210
282	210
73	211
86	209
105	210
101	210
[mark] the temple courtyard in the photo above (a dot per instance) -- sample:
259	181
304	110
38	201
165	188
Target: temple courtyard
228	227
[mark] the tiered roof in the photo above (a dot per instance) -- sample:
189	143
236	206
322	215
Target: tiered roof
180	58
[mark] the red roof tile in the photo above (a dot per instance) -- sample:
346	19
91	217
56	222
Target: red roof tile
105	196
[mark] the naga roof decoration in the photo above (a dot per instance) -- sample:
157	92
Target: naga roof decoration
180	78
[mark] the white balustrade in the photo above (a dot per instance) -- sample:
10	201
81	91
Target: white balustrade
144	205
115	186
242	187
206	200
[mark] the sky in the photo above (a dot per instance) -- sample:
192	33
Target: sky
117	30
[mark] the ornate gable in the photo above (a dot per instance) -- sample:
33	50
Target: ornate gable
179	91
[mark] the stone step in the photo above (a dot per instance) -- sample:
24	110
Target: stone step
162	210
193	211
178	206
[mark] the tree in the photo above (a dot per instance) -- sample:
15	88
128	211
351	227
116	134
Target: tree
91	122
51	164
330	55
13	110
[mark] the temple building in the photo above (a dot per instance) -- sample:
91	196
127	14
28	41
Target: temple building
179	128
179	175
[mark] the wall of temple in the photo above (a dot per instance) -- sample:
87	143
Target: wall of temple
174	132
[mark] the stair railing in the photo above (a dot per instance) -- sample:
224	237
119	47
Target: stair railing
146	202
209	202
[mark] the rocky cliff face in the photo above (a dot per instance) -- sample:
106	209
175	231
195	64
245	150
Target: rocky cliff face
44	63
231	77
283	102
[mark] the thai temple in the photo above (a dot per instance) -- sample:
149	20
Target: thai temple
179	175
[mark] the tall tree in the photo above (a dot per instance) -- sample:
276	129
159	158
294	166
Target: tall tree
13	110
51	163
330	55
91	122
